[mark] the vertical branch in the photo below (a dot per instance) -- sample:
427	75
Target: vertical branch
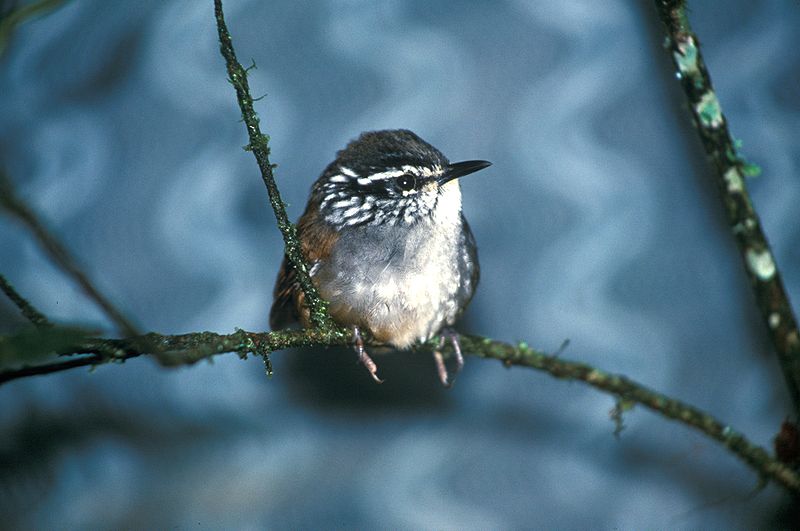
259	145
730	169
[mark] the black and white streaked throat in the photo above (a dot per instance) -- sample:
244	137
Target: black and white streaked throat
402	181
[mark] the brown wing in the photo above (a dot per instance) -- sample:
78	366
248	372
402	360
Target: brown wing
283	312
317	239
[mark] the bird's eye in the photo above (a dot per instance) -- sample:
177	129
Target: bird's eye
406	182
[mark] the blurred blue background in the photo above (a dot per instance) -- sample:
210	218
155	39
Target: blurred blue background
598	222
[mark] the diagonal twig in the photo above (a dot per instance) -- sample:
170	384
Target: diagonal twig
59	254
730	169
27	309
259	145
15	16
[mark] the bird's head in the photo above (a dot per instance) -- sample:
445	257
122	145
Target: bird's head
390	177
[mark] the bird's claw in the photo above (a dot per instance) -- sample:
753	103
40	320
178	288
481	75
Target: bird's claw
452	335
363	357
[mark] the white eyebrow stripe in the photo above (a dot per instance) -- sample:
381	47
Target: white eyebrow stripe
390	174
348	171
423	171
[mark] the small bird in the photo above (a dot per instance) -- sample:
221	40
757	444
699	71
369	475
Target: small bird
387	245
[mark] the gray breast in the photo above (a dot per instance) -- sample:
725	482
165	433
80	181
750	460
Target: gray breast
402	283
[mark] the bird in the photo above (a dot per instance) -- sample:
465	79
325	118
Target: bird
387	245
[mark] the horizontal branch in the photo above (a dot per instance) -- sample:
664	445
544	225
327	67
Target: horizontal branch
175	350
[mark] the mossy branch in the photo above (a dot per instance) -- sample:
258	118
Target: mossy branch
730	168
175	350
259	145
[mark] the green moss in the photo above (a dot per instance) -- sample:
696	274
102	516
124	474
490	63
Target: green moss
622	406
749	169
709	111
686	58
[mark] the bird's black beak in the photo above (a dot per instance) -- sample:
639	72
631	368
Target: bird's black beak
460	169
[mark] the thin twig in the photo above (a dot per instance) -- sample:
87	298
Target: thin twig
10	20
190	348
730	169
259	145
56	366
59	254
27	309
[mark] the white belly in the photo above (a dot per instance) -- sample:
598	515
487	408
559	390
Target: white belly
403	289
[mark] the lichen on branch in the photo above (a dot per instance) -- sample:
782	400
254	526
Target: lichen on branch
730	168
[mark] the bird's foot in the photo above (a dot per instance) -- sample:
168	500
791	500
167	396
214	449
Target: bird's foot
363	357
444	335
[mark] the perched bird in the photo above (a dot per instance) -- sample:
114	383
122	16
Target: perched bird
387	245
